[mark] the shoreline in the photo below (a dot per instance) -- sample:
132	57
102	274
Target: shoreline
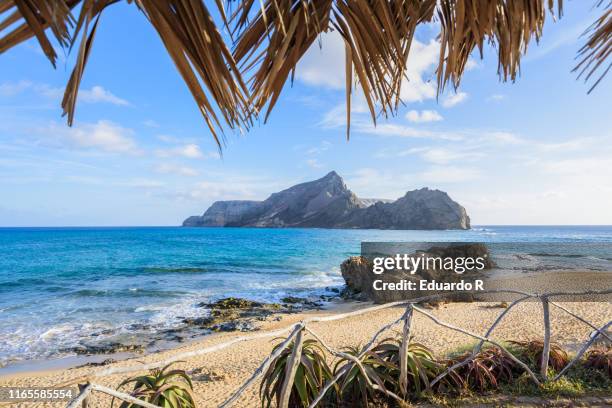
74	362
216	375
12	373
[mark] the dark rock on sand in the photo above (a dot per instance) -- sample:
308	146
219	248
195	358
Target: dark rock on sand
106	348
199	321
303	302
233	303
98	363
328	203
236	314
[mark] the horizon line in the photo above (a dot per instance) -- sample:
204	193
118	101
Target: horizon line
280	228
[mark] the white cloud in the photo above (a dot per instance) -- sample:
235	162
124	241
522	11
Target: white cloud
423	116
233	187
472	64
314	163
142	183
169	168
102	136
98	94
443	155
14	88
190	151
454	99
421	62
449	174
496	97
325	66
569	145
502	137
95	94
322	147
394	130
106	182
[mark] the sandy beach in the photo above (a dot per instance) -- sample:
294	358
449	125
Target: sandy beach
217	374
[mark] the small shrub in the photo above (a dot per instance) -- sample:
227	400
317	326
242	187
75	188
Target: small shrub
532	351
382	367
422	367
354	389
162	387
600	358
312	373
489	368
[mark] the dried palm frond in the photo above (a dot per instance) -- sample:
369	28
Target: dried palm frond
598	47
507	25
377	36
275	40
271	36
33	17
186	28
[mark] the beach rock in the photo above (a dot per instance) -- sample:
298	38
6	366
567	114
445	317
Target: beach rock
356	272
98	363
359	277
105	348
235	325
206	375
238	314
233	303
293	299
301	302
199	321
328	203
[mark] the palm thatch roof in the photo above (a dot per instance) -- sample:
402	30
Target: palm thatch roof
236	76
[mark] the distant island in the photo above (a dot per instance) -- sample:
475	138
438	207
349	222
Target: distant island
328	203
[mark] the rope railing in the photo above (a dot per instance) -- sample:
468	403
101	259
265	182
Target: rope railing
299	330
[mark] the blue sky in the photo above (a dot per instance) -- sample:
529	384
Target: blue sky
537	151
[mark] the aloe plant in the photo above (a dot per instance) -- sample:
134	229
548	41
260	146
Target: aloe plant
487	370
311	374
532	350
381	366
163	387
600	358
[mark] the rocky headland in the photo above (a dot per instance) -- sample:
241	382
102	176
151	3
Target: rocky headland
328	203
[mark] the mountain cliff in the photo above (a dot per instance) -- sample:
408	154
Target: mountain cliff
328	203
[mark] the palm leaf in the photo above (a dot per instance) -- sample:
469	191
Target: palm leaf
271	36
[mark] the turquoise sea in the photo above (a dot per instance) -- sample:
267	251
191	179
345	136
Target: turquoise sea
60	287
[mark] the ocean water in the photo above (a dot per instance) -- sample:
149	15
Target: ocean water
61	287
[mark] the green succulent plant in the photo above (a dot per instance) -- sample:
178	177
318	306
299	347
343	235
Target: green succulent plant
381	365
163	387
311	374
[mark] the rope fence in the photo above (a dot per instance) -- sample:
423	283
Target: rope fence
299	330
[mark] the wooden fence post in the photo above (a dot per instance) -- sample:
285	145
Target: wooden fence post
291	368
404	351
546	348
85	403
